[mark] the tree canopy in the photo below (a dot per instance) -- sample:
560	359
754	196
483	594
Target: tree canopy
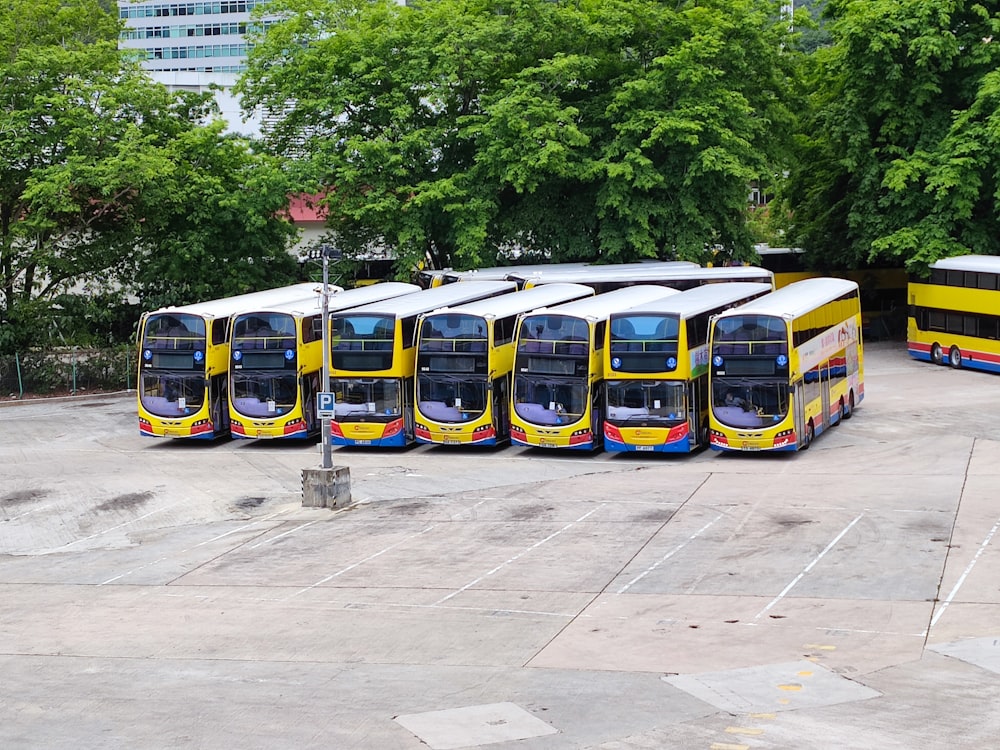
593	129
109	182
899	157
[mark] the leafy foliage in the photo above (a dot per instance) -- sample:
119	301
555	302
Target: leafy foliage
900	160
111	184
466	129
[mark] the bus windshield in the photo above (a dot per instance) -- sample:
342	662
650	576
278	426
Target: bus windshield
554	328
377	399
648	401
446	398
362	342
263	394
453	332
644	333
544	401
174	331
264	331
172	395
747	402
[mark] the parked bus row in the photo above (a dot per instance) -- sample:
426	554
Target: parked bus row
553	365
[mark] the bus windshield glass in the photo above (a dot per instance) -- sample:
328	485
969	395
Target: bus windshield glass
362	342
264	331
547	401
374	399
554	328
174	331
659	402
446	398
750	328
644	333
453	332
748	402
172	395
263	394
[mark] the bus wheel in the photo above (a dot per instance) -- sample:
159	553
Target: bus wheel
936	356
955	357
704	434
810	434
843	412
850	406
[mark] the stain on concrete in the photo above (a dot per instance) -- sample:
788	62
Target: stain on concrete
128	501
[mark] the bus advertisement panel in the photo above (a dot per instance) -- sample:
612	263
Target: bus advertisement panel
656	369
556	396
676	275
373	354
465	356
954	316
184	363
786	366
277	362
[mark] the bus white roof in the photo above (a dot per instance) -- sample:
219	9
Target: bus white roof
654	275
796	299
700	299
348	298
980	263
224	308
588	269
500	272
520	302
428	300
600	306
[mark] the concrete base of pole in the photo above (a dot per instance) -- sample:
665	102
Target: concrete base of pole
326	488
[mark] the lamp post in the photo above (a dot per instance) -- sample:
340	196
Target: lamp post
326	251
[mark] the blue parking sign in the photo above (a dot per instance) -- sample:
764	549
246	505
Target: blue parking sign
324	405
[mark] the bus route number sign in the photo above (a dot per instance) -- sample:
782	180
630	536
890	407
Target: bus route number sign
324	405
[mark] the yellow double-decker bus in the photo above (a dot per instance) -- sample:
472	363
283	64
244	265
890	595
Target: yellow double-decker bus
656	369
373	355
465	355
556	396
674	274
954	316
184	363
277	361
786	366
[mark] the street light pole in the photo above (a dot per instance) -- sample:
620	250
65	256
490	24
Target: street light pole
325	431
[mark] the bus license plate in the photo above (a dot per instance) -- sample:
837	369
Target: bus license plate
644	447
452	441
543	443
169	433
362	442
750	445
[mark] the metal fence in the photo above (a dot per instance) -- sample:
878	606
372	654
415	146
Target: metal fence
67	371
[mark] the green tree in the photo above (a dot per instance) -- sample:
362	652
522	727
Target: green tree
110	183
459	129
899	158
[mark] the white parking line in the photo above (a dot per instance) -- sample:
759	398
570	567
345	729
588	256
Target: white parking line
519	555
808	567
965	574
670	554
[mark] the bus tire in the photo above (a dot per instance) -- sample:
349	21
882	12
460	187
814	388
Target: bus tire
936	355
955	357
850	406
810	435
703	435
843	411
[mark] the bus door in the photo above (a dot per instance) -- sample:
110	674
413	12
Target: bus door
218	401
799	411
824	387
408	421
697	399
597	414
501	417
